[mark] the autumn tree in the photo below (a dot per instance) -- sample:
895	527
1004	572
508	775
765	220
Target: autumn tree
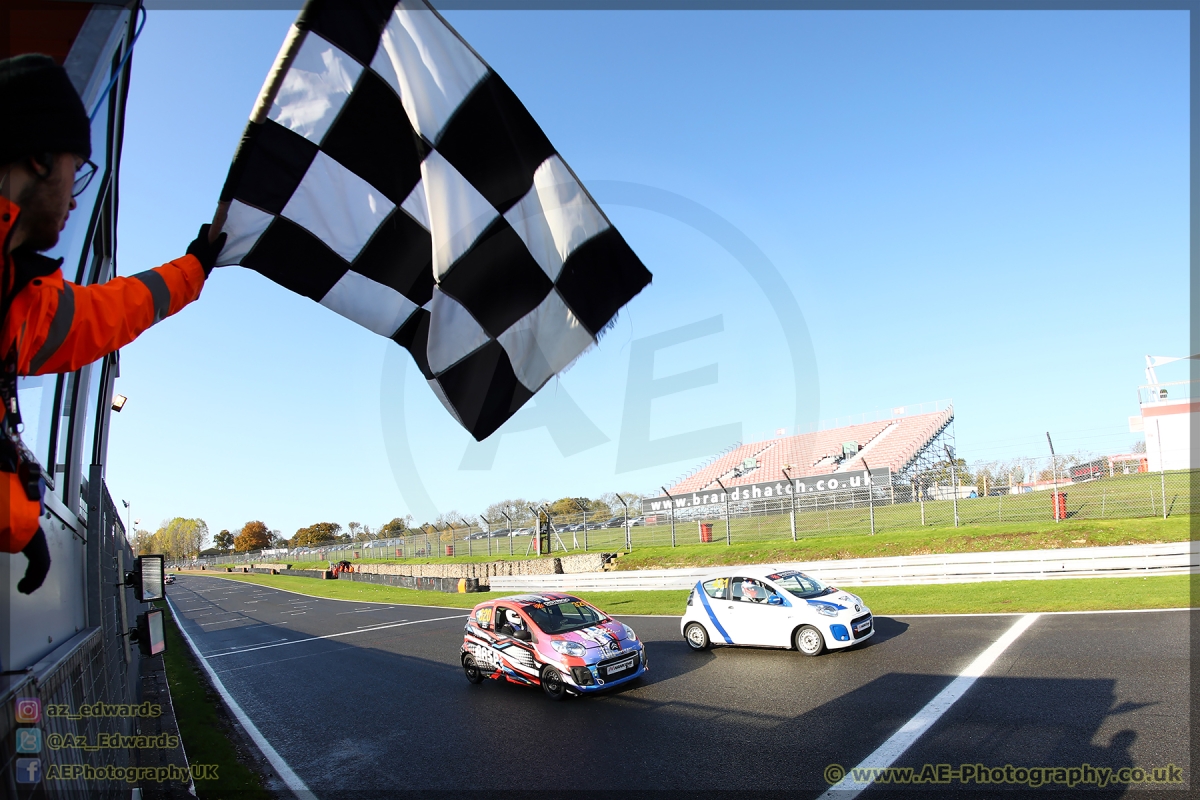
178	538
316	535
395	528
254	536
223	541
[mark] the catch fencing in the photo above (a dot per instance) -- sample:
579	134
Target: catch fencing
1174	558
1034	491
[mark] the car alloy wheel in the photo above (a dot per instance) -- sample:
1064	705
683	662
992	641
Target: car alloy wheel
471	669
696	636
809	641
552	684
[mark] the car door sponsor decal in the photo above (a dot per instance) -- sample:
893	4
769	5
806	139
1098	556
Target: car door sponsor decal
711	615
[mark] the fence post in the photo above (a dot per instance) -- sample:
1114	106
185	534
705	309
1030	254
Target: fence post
671	509
792	492
728	532
870	496
1162	475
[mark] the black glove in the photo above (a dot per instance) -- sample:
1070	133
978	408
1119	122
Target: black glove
38	553
205	251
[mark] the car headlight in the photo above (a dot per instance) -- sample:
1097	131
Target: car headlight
569	648
826	609
629	634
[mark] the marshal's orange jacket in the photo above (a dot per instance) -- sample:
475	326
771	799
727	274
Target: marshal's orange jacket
57	326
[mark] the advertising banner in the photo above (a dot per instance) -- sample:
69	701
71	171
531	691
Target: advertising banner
808	485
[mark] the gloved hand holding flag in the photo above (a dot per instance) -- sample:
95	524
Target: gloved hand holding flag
389	174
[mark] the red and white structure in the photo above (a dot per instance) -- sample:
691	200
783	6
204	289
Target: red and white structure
1167	415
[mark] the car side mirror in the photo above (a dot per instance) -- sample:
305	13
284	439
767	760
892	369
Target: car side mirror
774	600
524	636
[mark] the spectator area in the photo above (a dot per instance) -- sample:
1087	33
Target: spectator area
892	443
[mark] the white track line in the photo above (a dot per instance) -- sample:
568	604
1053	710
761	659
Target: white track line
289	777
335	635
901	740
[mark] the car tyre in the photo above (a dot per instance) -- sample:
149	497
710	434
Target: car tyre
808	640
696	636
553	684
471	669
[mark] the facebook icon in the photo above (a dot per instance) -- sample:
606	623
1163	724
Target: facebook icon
29	770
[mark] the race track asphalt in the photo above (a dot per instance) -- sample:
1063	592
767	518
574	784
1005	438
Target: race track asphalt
381	705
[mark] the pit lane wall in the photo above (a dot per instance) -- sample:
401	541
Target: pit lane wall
1178	558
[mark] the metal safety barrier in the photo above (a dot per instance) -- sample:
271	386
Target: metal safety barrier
1178	558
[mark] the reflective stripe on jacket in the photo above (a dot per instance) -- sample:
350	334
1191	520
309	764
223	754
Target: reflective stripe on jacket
59	326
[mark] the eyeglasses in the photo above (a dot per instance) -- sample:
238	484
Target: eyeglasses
83	176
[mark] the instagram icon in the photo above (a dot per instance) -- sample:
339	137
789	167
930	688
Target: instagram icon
29	709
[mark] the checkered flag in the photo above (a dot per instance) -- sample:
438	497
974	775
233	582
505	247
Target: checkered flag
390	175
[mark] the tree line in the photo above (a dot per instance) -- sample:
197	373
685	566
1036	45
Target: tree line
187	538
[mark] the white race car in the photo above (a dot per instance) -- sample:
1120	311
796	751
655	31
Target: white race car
768	608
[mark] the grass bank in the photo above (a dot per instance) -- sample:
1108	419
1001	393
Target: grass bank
208	734
918	541
1069	594
1044	535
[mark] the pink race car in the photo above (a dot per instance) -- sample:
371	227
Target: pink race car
552	640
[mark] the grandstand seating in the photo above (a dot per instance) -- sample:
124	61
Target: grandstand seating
891	443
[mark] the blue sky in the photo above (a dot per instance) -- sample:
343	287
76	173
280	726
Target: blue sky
985	206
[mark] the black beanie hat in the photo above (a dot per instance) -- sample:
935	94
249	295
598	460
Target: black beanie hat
40	111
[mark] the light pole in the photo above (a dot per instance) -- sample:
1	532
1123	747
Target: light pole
583	517
953	481
792	486
728	533
128	519
671	508
871	496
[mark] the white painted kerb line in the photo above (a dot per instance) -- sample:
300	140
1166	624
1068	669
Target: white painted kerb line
901	740
298	787
372	629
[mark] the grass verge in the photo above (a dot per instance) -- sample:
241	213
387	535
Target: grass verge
1068	594
918	541
207	732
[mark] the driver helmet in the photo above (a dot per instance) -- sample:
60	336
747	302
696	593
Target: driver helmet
753	592
514	619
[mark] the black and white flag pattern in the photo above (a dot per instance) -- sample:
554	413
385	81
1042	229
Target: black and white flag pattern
398	181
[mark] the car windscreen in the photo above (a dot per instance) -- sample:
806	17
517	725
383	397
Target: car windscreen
801	585
562	616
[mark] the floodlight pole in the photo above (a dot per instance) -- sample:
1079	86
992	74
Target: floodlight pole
792	485
953	482
628	538
1054	477
129	517
670	508
870	495
728	534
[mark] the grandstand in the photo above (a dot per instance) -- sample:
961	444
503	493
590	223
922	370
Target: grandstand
903	443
